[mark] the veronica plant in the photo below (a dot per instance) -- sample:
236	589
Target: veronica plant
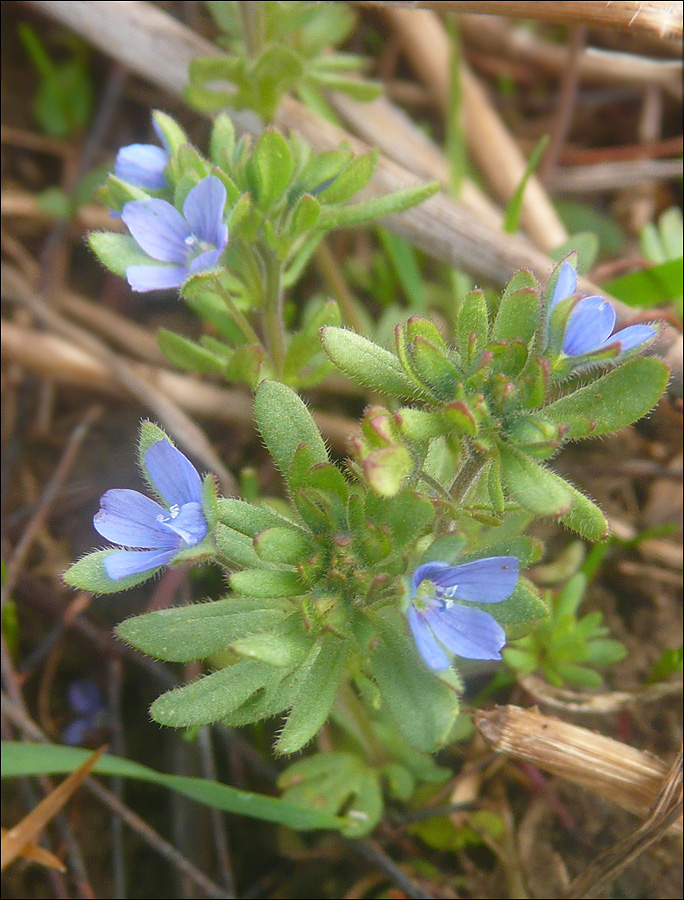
485	413
232	232
332	600
275	48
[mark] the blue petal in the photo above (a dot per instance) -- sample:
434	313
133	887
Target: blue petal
189	524
426	572
142	165
155	278
77	731
205	261
85	697
132	520
470	633
173	475
203	210
589	325
123	563
489	580
162	137
566	285
158	228
435	658
633	336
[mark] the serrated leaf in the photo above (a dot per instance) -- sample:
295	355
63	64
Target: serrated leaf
367	363
422	707
617	399
182	634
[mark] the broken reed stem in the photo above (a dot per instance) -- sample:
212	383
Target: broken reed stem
157	47
632	779
501	39
657	17
494	150
60	360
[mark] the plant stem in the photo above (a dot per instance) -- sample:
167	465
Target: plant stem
273	310
467	475
352	716
253	26
241	320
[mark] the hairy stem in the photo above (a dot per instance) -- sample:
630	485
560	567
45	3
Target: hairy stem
273	310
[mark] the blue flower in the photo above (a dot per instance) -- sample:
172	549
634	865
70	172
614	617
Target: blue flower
130	519
438	620
187	243
84	698
590	325
143	164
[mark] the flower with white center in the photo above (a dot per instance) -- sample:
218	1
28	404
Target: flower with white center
158	533
178	244
438	620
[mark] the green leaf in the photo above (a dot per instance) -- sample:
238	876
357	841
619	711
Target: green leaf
649	287
617	399
519	311
285	423
367	363
267	583
182	634
670	663
118	251
377	208
234	548
532	485
322	168
523	609
88	574
405	262
173	134
316	696
423	707
247	518
270	168
585	245
473	325
212	697
187	354
350	181
283	545
25	759
585	517
222	142
336	782
304	216
514	208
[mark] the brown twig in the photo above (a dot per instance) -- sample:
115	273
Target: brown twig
630	778
494	150
667	811
159	48
657	17
47	500
187	432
